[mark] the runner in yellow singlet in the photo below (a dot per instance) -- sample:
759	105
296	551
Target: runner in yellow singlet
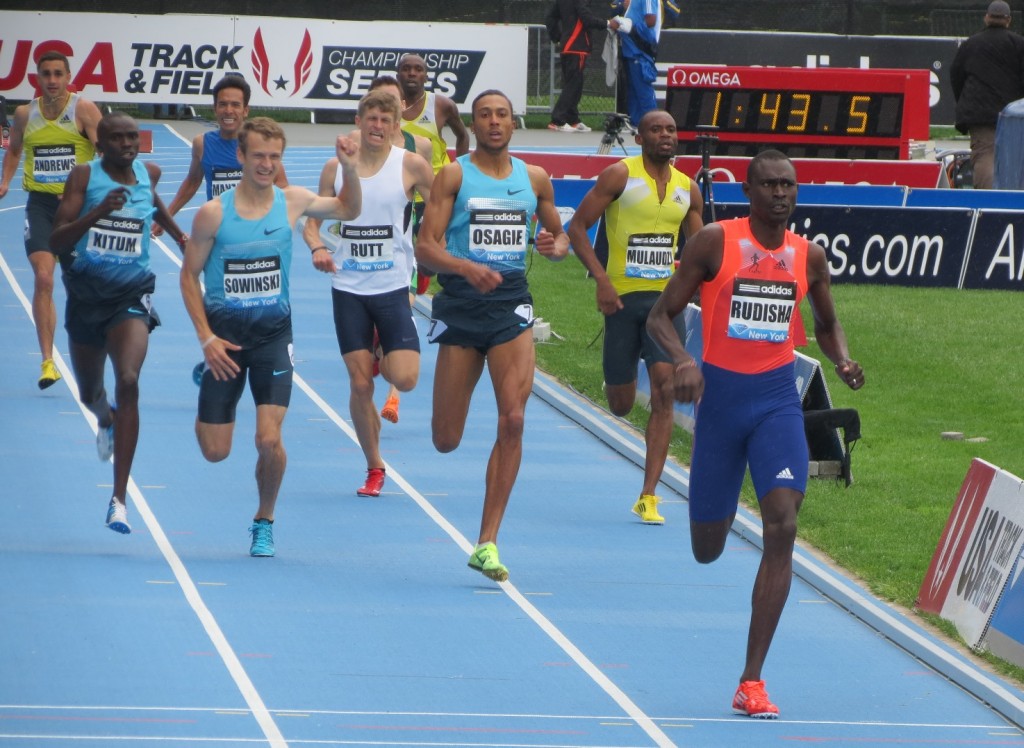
427	113
57	131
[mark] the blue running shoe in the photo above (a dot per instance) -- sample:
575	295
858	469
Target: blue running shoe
262	532
117	517
197	373
105	440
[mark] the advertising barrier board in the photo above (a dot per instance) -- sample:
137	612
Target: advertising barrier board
1005	637
734	169
917	247
978	548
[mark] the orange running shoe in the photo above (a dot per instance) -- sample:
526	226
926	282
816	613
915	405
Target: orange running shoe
374	483
390	410
752	700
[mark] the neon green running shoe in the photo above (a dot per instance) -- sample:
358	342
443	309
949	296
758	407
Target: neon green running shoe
646	508
485	560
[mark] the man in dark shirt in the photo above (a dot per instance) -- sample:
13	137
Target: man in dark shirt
987	74
570	24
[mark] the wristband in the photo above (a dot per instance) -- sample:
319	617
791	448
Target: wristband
317	249
685	365
208	341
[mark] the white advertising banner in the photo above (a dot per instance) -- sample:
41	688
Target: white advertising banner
289	62
982	540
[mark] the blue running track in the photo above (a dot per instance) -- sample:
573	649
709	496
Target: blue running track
368	628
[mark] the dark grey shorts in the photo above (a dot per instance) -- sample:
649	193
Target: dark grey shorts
40	212
626	340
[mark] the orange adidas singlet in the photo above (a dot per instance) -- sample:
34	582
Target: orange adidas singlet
750	306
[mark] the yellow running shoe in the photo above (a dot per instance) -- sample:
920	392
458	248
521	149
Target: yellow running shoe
49	376
646	508
485	560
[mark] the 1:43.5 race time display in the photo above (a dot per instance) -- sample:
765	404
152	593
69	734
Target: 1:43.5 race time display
804	112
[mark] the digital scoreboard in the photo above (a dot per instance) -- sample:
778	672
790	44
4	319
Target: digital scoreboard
804	112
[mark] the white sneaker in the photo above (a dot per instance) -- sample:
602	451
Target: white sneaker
105	442
117	517
561	128
580	127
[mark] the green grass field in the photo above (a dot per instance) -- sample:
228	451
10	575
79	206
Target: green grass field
935	360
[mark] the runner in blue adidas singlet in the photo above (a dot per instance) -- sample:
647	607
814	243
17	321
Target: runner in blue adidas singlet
475	235
242	243
101	233
215	158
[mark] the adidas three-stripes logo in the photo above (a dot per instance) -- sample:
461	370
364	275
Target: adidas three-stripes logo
785	474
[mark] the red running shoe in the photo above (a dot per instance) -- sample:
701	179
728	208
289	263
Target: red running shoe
374	483
752	700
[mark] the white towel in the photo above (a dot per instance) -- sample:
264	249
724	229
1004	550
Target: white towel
610	55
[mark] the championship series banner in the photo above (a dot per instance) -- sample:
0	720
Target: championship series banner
289	62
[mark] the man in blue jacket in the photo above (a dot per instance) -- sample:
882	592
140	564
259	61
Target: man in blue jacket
639	29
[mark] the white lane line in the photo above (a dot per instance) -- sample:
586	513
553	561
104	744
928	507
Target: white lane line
603	682
582	661
234	666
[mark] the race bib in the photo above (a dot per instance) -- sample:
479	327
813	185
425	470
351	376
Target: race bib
761	310
116	239
367	249
224	180
253	282
51	164
498	236
650	256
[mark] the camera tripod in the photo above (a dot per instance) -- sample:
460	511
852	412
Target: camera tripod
706	138
614	124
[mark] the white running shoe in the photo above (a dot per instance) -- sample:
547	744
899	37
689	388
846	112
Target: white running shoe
117	517
105	441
